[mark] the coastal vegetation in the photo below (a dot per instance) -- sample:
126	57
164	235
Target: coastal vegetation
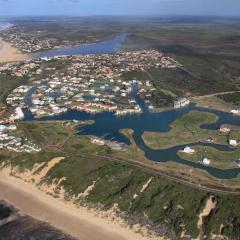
233	98
167	207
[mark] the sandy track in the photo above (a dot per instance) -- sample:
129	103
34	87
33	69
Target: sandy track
77	222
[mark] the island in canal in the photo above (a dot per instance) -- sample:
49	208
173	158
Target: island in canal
148	133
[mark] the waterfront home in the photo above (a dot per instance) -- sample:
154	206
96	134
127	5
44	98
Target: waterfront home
183	102
17	115
206	161
224	129
235	111
97	141
232	142
188	150
150	107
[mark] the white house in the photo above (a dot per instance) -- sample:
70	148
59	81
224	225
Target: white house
188	150
232	142
235	111
97	141
206	161
181	103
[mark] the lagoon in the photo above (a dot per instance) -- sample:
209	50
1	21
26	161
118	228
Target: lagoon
105	47
108	126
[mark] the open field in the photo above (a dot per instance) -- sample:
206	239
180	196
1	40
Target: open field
213	102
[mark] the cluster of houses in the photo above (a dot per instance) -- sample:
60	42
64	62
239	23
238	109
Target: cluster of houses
10	138
90	83
12	142
180	103
29	41
191	151
17	97
227	129
232	142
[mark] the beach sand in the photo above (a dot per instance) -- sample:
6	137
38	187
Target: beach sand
9	54
79	223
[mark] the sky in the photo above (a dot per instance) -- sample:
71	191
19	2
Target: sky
119	7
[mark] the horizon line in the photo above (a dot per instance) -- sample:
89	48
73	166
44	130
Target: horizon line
122	15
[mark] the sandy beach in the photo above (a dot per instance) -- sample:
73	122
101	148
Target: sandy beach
9	54
79	223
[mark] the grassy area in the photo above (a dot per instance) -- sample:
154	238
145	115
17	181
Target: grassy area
167	206
185	130
213	102
219	159
8	83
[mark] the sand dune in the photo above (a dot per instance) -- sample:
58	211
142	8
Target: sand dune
77	222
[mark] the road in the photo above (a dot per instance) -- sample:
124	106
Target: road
156	172
213	94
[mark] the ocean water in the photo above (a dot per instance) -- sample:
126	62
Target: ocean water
26	228
4	25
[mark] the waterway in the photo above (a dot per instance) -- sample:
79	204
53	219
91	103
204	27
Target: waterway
108	126
105	47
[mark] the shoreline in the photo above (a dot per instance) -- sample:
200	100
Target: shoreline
8	53
77	222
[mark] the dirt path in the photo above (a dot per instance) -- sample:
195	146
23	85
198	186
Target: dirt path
213	94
